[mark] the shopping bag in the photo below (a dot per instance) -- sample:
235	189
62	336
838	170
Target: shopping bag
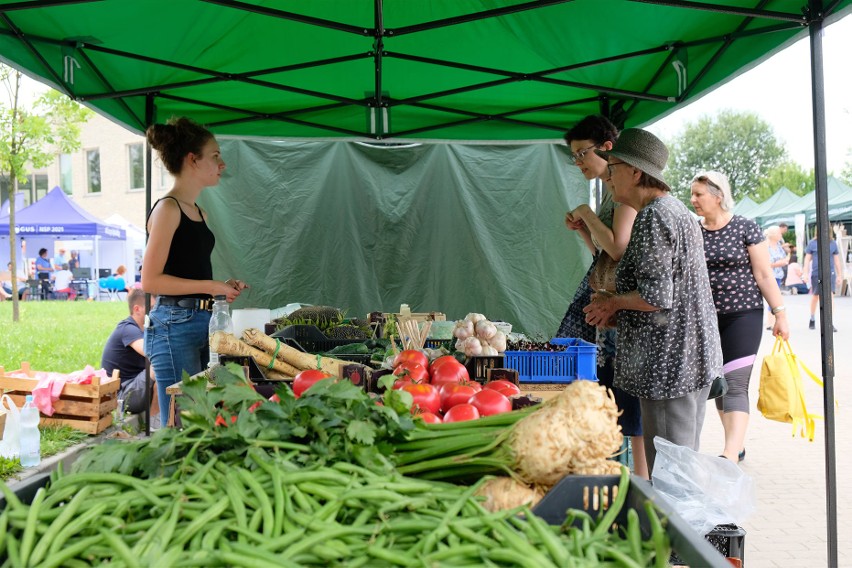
781	396
10	445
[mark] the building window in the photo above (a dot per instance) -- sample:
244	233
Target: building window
40	185
93	165
165	176
65	176
136	164
33	186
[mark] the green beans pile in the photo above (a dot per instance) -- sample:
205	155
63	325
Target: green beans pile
271	512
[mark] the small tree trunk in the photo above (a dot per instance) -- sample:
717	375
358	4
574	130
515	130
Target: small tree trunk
13	185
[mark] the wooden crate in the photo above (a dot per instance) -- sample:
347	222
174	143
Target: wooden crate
87	408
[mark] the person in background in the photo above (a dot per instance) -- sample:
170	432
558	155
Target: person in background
125	350
62	282
668	351
779	258
795	277
60	259
74	261
177	257
811	274
6	288
741	277
43	270
120	280
606	231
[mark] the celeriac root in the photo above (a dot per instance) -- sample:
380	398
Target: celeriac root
294	357
226	344
503	493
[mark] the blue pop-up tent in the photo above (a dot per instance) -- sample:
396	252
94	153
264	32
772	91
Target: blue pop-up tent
55	216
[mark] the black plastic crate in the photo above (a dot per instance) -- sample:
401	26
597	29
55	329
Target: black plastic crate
729	540
310	339
595	493
477	367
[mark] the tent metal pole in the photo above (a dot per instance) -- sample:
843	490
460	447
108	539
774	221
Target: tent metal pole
149	119
815	29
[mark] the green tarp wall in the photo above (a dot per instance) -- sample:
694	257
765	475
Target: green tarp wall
443	227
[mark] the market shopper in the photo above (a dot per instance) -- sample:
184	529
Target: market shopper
668	351
742	276
811	273
606	233
177	258
43	270
6	285
125	350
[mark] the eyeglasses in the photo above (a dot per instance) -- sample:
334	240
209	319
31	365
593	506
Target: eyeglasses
580	155
610	166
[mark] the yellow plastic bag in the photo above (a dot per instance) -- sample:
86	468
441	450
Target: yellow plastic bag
781	396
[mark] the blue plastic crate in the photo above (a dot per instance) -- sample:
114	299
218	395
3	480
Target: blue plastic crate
578	361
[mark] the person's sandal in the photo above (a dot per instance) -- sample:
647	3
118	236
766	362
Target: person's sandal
741	456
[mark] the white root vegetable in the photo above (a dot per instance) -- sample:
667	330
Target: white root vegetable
502	493
572	432
226	344
498	342
463	329
295	358
485	329
472	347
460	344
474	318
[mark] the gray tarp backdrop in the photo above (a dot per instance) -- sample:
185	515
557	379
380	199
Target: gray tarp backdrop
443	227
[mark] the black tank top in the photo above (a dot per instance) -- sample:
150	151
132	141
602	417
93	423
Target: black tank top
189	253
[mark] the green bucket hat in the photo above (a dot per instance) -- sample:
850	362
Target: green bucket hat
642	150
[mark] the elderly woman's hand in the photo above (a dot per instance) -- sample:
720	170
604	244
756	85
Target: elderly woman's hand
601	311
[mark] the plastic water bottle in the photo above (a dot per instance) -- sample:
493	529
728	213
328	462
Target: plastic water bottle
220	320
30	435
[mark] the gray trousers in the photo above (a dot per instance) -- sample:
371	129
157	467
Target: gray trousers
678	420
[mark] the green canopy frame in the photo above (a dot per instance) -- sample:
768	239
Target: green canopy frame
403	69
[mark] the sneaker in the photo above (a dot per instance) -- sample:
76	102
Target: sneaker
811	324
834	328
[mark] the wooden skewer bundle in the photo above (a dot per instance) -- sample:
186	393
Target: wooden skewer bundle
413	336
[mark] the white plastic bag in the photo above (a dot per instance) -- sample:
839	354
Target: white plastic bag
10	445
704	490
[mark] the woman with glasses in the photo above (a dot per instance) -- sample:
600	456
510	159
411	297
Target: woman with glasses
668	351
606	234
741	277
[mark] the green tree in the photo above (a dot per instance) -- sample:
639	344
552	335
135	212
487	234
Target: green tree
787	174
30	138
739	144
846	173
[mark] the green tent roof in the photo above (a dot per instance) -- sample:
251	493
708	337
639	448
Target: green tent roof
437	69
839	206
778	200
744	206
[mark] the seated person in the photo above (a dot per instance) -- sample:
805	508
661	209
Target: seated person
794	281
6	288
118	278
125	351
62	282
43	269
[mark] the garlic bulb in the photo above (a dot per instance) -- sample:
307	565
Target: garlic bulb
463	329
485	329
498	342
472	347
474	318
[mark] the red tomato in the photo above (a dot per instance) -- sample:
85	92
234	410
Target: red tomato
461	412
429	418
412	356
506	388
489	401
441	360
306	380
426	397
449	372
255	406
413	373
453	394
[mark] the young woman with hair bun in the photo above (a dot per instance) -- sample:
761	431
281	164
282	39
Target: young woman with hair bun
177	258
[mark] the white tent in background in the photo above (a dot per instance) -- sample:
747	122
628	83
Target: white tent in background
134	246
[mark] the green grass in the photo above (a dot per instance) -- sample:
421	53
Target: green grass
57	336
54	439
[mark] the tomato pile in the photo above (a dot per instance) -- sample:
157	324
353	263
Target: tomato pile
443	392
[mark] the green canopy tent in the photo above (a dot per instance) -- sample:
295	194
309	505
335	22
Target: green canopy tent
406	69
839	200
744	206
781	198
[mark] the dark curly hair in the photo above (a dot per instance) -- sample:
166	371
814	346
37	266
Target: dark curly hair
175	139
594	127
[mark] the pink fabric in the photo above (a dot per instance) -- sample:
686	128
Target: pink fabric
50	385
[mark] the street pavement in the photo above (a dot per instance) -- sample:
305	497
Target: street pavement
788	528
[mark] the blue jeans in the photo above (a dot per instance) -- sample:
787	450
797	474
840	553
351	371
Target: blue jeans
176	342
